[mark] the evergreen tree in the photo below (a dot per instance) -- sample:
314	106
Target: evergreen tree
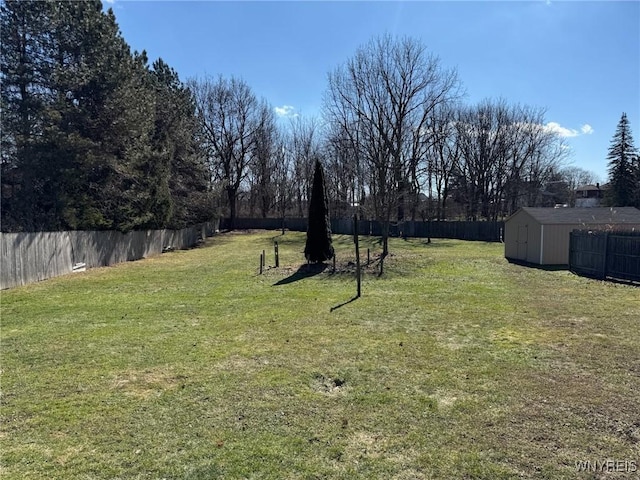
624	177
176	150
63	71
636	174
23	82
318	247
87	142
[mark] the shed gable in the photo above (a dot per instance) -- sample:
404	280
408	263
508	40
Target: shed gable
584	216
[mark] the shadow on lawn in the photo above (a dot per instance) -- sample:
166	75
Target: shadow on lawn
305	271
352	299
546	268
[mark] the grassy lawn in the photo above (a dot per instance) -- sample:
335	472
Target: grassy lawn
455	364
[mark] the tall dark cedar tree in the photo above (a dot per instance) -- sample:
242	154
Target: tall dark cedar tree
319	246
624	171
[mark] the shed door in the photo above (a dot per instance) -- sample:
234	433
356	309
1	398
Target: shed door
523	235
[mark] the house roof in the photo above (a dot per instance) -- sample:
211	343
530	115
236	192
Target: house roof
587	216
583	188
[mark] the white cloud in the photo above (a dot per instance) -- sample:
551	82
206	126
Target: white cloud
286	111
560	130
110	2
586	129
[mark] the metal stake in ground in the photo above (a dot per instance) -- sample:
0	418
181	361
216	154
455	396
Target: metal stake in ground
276	254
357	242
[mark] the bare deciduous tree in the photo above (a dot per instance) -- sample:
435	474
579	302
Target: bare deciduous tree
507	155
380	101
304	147
263	166
443	155
231	116
344	173
282	178
576	177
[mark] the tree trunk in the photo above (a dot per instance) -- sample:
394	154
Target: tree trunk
232	197
385	244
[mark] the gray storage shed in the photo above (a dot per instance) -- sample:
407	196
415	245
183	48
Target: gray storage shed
541	235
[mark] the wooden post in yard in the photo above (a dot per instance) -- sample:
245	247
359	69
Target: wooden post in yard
357	242
261	262
604	251
276	254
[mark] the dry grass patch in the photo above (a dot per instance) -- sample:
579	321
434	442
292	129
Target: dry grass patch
147	383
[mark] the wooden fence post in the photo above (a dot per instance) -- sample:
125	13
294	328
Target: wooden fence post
572	248
605	253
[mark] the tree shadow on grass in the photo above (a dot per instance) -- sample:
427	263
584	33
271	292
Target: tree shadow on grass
305	271
352	299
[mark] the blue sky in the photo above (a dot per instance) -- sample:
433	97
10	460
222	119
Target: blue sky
578	60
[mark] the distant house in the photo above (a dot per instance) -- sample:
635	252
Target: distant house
589	195
541	235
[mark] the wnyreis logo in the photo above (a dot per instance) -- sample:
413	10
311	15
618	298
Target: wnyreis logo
607	466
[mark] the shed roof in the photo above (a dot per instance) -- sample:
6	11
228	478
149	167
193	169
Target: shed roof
587	216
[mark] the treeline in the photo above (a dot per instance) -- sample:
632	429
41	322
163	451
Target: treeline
92	136
96	138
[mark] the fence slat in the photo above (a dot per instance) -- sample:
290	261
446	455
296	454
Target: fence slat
603	255
479	231
30	257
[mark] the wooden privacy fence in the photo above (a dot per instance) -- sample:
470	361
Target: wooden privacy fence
34	256
482	231
602	254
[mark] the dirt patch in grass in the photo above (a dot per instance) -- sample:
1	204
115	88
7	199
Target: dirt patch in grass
327	384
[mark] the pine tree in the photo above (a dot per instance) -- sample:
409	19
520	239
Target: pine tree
176	149
318	247
78	123
637	178
22	65
623	169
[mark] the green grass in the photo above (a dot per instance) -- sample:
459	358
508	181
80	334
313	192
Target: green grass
454	364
